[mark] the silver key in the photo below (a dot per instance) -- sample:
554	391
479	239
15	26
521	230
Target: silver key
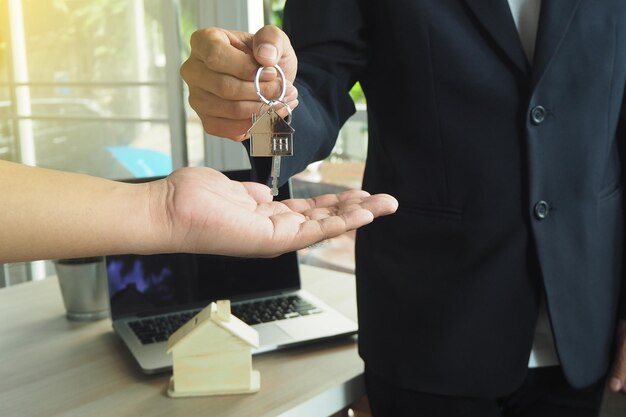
275	174
270	134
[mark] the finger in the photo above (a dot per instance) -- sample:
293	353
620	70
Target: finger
292	231
617	379
272	46
335	215
269	44
301	205
346	208
617	375
380	204
226	52
269	92
341	207
268	74
314	231
283	112
208	104
236	130
291	94
228	86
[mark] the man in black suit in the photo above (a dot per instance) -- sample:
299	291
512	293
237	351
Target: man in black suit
499	126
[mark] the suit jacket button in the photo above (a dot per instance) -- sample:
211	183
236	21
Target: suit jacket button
537	115
542	209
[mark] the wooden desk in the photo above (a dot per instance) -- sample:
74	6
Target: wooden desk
50	366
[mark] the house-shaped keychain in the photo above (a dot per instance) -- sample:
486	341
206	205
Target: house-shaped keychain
270	135
212	355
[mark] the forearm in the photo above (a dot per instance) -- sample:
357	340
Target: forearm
49	214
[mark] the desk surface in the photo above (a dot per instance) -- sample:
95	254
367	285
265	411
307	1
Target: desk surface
50	366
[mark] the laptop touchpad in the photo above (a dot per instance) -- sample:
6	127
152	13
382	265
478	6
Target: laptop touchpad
271	335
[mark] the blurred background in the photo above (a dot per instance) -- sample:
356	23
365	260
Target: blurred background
93	86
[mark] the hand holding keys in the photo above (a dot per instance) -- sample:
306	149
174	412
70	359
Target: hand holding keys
270	134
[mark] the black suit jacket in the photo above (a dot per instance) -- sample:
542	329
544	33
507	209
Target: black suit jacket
508	179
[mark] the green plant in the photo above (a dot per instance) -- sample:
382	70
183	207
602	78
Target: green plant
357	93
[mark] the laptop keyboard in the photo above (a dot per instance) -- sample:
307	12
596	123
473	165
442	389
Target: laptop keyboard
159	329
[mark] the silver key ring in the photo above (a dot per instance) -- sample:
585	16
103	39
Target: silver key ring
258	88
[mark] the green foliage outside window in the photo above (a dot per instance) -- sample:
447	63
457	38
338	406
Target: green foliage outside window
357	93
277	12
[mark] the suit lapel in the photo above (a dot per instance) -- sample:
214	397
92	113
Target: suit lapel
554	20
495	16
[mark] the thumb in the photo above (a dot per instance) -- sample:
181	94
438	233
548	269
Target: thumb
270	45
617	375
259	192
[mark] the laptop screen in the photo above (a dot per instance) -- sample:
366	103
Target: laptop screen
142	284
147	284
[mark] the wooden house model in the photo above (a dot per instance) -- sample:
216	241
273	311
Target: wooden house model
212	354
270	135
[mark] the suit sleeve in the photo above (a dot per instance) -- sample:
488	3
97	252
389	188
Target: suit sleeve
329	37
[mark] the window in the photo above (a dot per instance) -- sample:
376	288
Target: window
85	86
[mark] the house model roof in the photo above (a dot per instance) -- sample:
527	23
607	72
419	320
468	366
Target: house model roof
216	314
270	122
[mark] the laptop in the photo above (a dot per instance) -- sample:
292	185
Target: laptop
151	296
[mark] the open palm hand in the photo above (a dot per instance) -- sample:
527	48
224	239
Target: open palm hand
205	212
